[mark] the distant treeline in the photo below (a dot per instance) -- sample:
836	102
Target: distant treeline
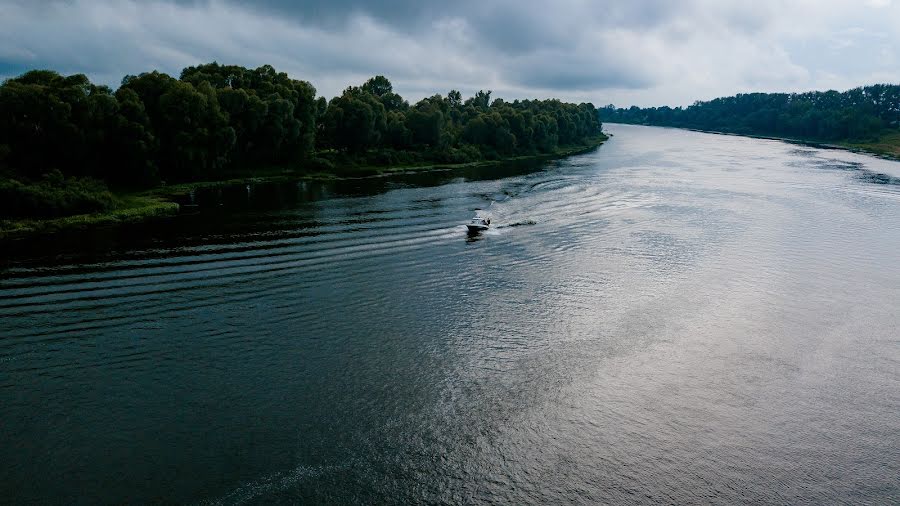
860	114
219	118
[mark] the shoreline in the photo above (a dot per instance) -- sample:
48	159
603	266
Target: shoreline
369	172
138	209
157	203
859	148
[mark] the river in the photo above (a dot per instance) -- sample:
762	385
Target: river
676	317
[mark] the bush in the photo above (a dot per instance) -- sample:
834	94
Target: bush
54	196
464	154
490	153
382	158
319	165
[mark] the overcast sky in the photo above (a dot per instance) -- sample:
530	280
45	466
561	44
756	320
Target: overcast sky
643	52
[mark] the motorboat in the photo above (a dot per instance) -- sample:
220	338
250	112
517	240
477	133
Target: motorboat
479	224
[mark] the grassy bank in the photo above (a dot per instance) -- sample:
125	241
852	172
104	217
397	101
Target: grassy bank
157	202
130	209
887	145
363	172
275	175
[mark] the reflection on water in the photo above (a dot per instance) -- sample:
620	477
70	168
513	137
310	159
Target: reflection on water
676	317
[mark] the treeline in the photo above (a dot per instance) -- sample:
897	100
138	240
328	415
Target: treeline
218	119
860	114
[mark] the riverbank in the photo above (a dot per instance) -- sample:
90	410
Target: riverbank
158	203
133	209
363	172
887	146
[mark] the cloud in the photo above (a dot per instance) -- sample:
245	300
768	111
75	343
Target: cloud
643	52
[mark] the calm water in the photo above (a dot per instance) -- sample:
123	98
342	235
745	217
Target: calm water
676	317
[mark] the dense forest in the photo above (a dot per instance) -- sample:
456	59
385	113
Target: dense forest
63	139
860	114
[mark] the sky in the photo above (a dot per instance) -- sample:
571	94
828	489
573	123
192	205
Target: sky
637	52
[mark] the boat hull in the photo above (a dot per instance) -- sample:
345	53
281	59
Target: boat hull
476	228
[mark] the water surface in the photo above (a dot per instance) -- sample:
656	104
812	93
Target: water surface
675	317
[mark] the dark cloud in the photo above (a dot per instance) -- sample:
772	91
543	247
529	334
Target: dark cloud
333	14
564	76
641	51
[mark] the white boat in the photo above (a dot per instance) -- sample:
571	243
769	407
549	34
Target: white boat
479	224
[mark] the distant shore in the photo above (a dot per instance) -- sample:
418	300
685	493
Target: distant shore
887	147
158	203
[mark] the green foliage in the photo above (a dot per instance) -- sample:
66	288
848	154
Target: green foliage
859	114
317	164
219	118
440	129
193	132
378	86
54	196
273	116
354	121
425	123
48	121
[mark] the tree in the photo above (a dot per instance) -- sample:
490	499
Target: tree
193	132
355	121
454	98
216	117
857	114
36	114
425	123
378	86
481	100
134	145
285	132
